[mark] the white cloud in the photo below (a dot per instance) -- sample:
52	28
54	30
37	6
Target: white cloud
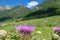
32	4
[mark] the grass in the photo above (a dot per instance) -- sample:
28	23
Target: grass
44	25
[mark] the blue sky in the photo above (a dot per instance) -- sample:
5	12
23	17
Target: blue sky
23	2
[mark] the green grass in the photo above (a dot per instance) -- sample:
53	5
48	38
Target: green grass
44	25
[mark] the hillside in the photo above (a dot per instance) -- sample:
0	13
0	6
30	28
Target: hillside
16	12
44	25
43	17
4	9
46	9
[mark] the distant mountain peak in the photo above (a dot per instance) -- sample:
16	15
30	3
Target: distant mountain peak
7	7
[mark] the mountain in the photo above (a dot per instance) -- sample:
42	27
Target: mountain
3	10
13	13
18	11
50	5
7	7
46	9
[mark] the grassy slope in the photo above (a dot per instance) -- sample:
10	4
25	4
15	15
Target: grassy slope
16	12
44	25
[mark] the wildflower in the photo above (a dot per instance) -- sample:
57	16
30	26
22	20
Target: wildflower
25	28
43	39
39	32
25	31
56	28
3	34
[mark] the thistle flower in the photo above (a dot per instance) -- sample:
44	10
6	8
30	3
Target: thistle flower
25	31
56	28
25	28
3	34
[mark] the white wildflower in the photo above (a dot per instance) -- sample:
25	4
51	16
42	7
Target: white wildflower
43	39
39	32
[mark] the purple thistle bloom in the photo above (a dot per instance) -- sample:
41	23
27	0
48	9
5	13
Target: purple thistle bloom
25	28
56	28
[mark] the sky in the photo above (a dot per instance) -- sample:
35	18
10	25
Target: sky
27	3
